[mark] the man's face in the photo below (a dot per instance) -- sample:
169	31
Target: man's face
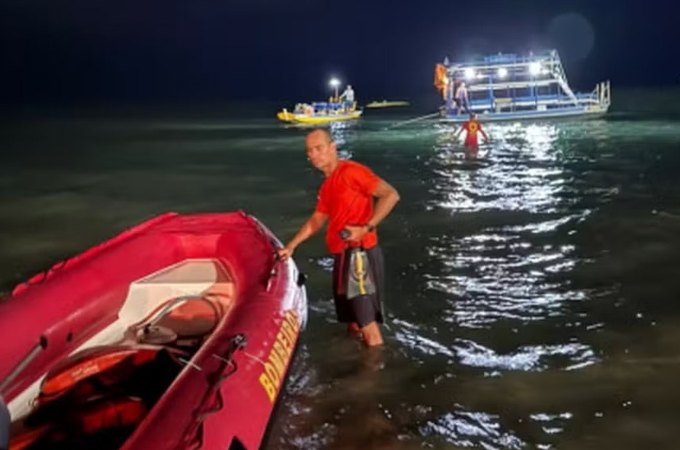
320	149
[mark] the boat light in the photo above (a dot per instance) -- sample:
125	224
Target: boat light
534	68
469	73
502	72
334	82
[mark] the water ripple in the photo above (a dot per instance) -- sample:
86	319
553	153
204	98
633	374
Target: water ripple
472	429
499	266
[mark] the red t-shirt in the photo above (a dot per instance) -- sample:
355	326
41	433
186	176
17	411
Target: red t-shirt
347	198
472	127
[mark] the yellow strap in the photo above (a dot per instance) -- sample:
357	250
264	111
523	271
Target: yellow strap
360	274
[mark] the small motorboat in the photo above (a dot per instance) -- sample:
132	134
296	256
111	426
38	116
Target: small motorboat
176	334
318	113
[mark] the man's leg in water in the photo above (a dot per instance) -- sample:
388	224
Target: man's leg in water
354	330
372	335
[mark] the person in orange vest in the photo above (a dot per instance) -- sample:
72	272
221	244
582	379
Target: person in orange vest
353	200
472	128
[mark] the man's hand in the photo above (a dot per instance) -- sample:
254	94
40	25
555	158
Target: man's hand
356	233
284	253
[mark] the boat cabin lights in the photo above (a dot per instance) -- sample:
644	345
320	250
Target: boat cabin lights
535	68
502	72
469	73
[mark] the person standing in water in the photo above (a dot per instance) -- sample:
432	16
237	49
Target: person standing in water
346	202
472	128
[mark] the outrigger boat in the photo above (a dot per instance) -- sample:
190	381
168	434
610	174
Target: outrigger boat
175	335
320	113
515	87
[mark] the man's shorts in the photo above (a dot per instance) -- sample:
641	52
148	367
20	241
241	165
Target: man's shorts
366	308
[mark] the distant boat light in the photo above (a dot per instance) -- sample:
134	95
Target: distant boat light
502	72
534	68
469	73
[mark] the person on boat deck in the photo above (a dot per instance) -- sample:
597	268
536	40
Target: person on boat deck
472	128
461	98
348	97
346	202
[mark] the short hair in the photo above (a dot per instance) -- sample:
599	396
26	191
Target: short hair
322	130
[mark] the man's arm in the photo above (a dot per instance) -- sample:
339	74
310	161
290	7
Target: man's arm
387	197
486	137
307	230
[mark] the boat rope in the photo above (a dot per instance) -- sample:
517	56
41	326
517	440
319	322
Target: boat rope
253	357
427	116
212	401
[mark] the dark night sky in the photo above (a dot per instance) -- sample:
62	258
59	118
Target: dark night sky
75	51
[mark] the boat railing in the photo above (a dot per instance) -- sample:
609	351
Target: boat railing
327	108
538	101
482	86
507	59
603	93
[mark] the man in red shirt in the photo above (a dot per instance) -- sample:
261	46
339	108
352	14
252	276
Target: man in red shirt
472	127
346	201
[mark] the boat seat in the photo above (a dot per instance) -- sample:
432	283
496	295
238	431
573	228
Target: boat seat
189	278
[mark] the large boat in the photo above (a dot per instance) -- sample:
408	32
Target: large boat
320	112
176	334
515	87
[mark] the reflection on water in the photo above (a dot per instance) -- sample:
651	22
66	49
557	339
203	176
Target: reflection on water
531	284
504	269
496	340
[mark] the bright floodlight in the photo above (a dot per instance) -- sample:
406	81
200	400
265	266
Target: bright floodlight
469	73
534	68
334	82
502	72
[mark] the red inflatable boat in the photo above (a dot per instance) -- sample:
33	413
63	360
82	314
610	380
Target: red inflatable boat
176	334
